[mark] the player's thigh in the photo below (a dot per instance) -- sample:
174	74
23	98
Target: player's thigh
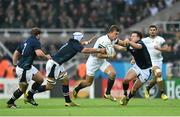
22	75
38	77
130	75
89	79
92	66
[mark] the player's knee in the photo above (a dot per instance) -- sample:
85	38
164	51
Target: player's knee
157	73
126	80
40	80
23	87
89	82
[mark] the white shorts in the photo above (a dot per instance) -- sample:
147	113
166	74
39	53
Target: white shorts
54	70
93	65
158	64
142	74
25	75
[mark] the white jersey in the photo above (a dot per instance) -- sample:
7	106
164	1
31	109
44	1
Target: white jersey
156	55
94	63
101	42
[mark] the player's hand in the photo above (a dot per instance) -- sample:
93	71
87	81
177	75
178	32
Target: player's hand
126	42
48	56
102	50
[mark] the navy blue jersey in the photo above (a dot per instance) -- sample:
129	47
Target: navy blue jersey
67	51
27	50
141	56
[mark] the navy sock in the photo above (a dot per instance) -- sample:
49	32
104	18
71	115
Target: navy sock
125	88
35	86
42	88
15	96
79	87
109	86
66	93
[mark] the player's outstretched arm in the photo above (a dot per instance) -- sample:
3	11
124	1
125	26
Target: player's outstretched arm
16	56
93	50
119	48
135	45
89	41
123	43
40	53
105	56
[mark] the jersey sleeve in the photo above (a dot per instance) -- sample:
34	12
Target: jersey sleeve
37	45
19	49
162	42
78	47
141	43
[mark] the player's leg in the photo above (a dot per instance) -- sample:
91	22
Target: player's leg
136	86
65	89
91	67
151	83
17	94
53	71
38	78
49	86
21	75
108	69
131	75
84	83
159	80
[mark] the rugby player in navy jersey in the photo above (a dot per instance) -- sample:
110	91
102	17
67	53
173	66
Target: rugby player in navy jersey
54	67
23	58
141	70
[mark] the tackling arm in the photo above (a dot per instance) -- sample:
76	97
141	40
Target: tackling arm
89	41
120	48
93	50
40	53
135	45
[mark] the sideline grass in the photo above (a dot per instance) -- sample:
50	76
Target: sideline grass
94	107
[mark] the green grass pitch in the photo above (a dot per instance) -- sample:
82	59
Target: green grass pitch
94	107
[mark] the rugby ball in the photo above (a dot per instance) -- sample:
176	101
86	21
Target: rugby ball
110	50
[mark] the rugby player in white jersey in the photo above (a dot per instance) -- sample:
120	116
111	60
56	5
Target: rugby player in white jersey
156	45
98	61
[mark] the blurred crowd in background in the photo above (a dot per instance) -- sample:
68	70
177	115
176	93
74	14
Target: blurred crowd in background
77	13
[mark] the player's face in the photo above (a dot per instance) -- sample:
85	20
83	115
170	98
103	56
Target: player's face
38	36
134	37
114	35
152	32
